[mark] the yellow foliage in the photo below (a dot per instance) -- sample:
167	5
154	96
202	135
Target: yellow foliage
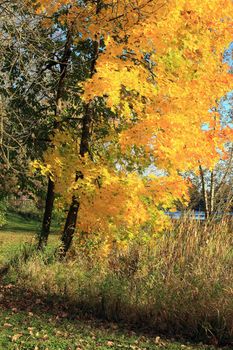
161	72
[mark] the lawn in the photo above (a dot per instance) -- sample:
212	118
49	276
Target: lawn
18	223
18	231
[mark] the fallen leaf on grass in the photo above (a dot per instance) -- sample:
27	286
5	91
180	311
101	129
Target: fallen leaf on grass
58	333
15	337
157	340
110	343
31	328
7	325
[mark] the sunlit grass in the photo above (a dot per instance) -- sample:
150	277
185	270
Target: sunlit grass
19	231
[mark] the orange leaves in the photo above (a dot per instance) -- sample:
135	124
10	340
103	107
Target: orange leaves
117	203
160	71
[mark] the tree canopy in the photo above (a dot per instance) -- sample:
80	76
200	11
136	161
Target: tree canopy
143	84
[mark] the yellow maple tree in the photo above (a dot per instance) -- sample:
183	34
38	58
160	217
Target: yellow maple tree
160	71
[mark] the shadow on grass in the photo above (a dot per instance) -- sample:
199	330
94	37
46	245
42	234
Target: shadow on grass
97	332
19	299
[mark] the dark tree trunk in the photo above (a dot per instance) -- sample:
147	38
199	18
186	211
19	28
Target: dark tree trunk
212	193
204	193
72	216
45	230
58	110
70	225
87	122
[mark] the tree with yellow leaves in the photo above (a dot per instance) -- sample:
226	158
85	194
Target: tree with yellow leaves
157	68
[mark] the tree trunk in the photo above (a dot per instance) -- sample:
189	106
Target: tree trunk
70	225
212	193
45	230
204	193
58	110
72	216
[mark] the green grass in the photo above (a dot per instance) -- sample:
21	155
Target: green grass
11	244
20	330
17	223
17	232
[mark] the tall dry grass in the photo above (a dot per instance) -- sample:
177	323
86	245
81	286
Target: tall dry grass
181	285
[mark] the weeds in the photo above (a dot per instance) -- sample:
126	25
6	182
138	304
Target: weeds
181	284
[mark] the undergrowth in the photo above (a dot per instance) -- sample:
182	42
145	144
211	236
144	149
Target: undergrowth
181	284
